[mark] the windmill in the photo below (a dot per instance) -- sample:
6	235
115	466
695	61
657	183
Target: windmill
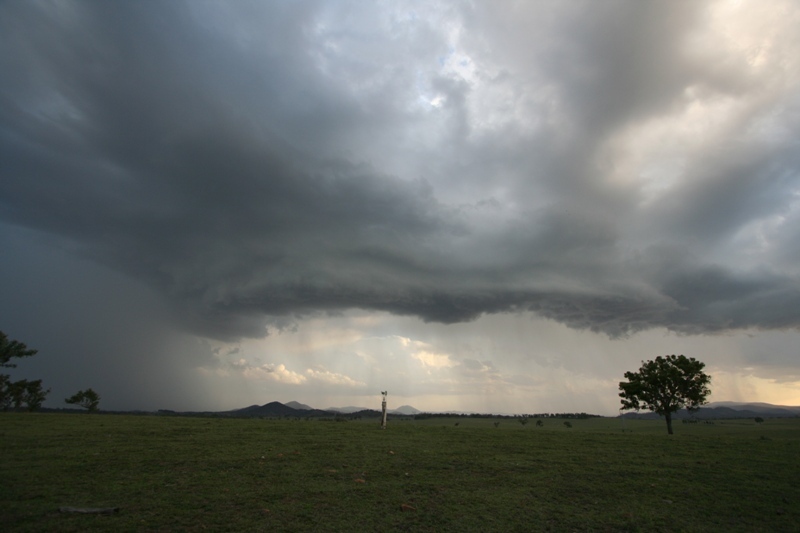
383	409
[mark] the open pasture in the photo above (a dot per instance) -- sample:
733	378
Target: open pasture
195	474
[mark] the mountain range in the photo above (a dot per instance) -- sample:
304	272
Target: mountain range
729	410
710	411
765	408
297	409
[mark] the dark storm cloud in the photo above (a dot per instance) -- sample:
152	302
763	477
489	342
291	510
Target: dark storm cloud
741	185
248	170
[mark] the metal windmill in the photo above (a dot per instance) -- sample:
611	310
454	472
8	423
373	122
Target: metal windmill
383	409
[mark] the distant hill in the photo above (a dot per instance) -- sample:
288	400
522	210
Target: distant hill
406	410
277	409
268	409
717	410
298	405
757	407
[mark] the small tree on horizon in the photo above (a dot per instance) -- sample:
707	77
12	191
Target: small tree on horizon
88	399
34	395
665	385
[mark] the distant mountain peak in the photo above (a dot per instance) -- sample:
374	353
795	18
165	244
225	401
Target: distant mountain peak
406	410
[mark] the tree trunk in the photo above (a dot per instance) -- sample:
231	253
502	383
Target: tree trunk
668	416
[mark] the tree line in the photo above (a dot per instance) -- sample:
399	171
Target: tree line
31	393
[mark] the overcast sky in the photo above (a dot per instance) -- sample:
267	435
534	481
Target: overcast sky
487	206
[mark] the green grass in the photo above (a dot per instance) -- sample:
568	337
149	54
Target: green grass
196	474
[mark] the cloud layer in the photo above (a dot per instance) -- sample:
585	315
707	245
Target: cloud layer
614	167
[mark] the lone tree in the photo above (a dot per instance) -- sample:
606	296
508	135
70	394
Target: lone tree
88	399
17	393
665	385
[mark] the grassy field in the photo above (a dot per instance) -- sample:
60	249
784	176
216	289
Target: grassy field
205	474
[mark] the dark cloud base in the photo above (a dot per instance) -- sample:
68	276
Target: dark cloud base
219	174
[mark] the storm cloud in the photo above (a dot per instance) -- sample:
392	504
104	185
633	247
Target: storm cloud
615	167
249	161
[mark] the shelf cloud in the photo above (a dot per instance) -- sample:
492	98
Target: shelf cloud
616	168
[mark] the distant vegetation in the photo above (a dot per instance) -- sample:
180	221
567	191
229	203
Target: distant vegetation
579	416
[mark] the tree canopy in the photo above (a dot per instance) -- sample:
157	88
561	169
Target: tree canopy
22	392
88	399
665	385
10	349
